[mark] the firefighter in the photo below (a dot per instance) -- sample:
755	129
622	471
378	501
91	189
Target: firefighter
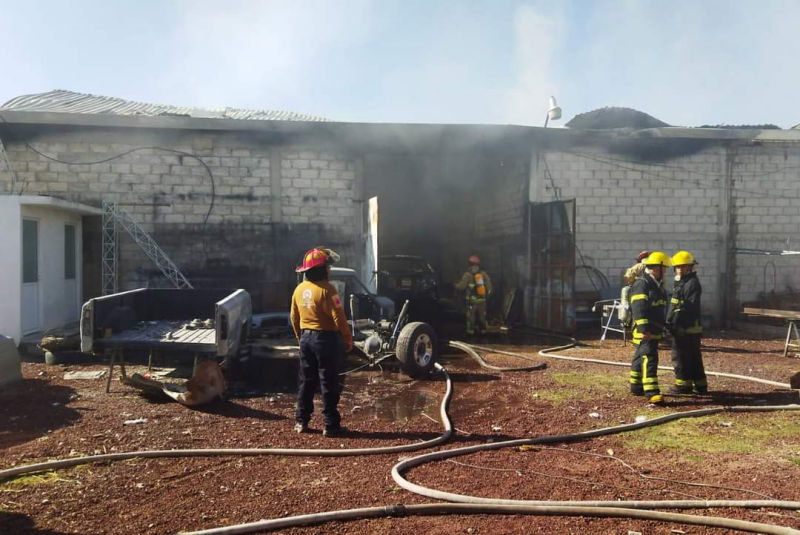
683	320
320	325
478	288
636	270
648	304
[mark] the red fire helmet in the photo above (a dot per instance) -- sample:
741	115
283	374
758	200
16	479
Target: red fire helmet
313	258
474	259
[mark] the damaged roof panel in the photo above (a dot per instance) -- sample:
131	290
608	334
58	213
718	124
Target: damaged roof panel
61	101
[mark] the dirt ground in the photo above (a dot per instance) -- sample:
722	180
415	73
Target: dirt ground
734	456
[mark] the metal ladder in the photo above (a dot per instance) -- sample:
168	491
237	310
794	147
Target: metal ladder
114	216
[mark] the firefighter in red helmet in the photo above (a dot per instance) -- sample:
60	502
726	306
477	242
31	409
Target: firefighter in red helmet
478	288
321	327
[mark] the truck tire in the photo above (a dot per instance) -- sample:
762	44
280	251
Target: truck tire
417	349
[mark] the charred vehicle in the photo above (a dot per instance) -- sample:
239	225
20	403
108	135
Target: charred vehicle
411	278
402	277
378	333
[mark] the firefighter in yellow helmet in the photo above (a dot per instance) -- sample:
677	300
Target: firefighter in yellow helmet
683	320
319	323
648	306
478	286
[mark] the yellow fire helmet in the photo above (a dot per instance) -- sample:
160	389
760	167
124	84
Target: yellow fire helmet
657	258
682	258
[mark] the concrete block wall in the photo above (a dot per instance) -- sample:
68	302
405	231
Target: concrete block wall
767	195
264	195
624	207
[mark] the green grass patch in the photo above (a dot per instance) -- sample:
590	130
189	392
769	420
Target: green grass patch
574	386
45	478
586	381
775	433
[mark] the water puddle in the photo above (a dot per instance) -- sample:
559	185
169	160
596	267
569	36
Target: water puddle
390	396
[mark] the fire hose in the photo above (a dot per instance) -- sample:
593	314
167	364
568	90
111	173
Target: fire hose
472	504
218	452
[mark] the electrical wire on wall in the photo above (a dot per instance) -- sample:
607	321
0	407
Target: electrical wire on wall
137	149
131	151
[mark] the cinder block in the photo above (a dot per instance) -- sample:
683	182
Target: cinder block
300	164
10	367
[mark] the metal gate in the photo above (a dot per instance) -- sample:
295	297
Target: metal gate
550	291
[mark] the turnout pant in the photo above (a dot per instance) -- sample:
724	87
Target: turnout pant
319	359
476	317
644	369
690	374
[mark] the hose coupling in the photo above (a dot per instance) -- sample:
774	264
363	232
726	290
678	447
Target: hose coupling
397	509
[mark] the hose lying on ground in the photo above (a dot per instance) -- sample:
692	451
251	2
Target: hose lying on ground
407	464
548	353
475	509
468	349
475	505
66	463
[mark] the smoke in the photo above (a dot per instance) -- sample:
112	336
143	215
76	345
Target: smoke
537	40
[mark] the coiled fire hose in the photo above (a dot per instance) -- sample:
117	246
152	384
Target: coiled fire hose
66	463
475	505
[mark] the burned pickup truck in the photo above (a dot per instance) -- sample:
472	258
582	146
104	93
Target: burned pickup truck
193	322
378	333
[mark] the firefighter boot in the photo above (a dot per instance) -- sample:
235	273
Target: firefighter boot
301	427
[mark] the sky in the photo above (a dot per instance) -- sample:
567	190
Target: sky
685	62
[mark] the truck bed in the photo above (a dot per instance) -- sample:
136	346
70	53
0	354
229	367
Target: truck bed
162	335
209	321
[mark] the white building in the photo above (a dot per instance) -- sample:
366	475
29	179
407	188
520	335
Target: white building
41	263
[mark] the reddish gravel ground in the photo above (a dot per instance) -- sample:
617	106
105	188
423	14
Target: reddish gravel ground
47	417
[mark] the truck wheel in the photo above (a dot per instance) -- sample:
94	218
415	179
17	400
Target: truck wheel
416	349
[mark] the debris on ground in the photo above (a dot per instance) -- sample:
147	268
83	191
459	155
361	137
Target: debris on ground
135	421
84	374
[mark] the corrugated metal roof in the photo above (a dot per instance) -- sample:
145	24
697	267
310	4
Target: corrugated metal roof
61	101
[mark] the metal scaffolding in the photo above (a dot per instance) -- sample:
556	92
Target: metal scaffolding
114	216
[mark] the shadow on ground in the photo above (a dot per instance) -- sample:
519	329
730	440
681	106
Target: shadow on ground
21	524
728	399
45	409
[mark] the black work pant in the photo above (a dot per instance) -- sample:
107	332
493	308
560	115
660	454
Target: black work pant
688	363
319	367
644	368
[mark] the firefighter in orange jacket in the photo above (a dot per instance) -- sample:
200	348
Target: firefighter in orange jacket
479	287
320	325
648	306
